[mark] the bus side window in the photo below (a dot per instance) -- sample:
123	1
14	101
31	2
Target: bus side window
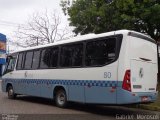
49	57
77	55
36	59
20	61
28	60
71	55
54	57
45	58
100	52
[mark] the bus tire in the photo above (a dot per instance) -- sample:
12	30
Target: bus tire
61	98
10	91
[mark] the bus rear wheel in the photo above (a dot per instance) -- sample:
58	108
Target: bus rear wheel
61	98
11	94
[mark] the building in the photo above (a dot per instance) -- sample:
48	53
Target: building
2	52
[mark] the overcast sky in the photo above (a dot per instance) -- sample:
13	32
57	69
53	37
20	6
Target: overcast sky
14	12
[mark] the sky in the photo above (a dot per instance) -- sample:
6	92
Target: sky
15	12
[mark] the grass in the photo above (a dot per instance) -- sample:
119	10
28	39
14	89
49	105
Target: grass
153	106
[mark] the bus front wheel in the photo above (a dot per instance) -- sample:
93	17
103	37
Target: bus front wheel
61	98
11	94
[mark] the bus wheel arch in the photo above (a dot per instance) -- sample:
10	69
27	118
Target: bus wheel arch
60	96
10	91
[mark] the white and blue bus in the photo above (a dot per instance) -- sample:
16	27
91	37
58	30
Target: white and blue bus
118	67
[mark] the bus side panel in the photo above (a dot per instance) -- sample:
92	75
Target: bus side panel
46	88
23	84
103	91
32	84
76	93
34	87
100	95
21	87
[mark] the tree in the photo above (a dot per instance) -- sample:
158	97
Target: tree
97	16
41	28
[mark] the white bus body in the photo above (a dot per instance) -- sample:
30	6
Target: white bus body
127	73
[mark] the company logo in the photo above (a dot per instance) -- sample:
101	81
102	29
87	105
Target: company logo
141	73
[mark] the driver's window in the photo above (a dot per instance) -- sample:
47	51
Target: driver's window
11	65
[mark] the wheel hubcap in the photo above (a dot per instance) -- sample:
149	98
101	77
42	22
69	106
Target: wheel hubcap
61	98
10	92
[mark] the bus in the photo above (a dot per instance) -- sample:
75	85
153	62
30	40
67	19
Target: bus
118	67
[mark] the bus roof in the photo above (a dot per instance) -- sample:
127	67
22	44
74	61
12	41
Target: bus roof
82	38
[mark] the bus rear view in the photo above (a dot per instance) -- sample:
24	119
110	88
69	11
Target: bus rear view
140	69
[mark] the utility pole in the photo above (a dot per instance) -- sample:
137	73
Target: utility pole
37	41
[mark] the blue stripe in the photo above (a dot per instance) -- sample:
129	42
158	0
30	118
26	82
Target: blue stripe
100	83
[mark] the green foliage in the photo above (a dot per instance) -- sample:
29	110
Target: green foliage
88	16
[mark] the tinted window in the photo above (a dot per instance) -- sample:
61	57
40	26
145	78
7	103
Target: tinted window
36	59
77	55
100	52
54	57
45	58
28	60
66	56
71	55
20	61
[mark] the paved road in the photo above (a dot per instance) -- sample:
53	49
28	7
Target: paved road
27	107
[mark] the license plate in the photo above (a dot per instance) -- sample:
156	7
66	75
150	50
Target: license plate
144	98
